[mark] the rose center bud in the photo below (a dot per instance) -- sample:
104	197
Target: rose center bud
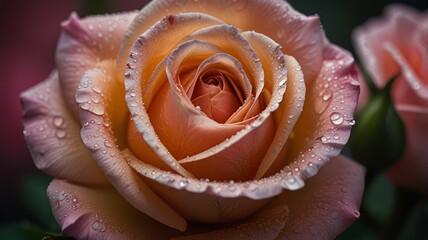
215	95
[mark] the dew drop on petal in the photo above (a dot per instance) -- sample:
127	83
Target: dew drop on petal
326	95
336	118
61	133
58	121
324	139
107	144
96	89
183	183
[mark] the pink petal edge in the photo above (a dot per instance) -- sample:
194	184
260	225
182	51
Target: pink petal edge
84	44
100	213
53	138
98	138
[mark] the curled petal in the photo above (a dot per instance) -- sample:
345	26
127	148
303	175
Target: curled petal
85	44
276	86
409	74
139	72
212	202
52	135
96	118
301	36
410	171
332	203
396	43
327	118
282	72
100	213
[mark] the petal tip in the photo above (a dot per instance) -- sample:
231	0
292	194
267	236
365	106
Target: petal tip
73	25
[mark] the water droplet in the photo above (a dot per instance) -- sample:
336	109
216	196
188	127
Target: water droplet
183	183
96	89
97	109
85	106
336	118
324	139
107	144
58	121
98	225
336	137
351	122
291	180
311	170
326	95
198	108
61	133
282	82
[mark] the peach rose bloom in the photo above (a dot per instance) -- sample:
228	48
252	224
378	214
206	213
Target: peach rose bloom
398	44
166	122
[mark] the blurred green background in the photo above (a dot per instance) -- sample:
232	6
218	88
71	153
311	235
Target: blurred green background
30	30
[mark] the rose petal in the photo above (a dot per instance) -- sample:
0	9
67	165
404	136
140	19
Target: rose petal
327	118
409	75
100	213
279	20
212	202
230	40
332	197
52	135
167	115
217	35
393	43
410	171
265	225
85	44
290	108
97	135
152	43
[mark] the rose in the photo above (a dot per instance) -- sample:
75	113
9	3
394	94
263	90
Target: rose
398	44
272	103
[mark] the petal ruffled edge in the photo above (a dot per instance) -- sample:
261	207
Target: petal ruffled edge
85	44
52	135
97	134
100	213
306	43
332	202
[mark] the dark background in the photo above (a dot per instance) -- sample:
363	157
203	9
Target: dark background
29	32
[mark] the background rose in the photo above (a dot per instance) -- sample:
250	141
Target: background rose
60	126
398	44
